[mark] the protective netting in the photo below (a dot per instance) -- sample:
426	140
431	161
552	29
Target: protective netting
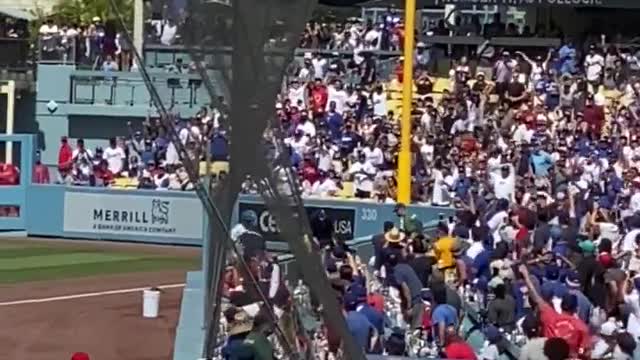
241	49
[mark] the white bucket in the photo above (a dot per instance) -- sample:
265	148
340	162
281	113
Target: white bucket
150	303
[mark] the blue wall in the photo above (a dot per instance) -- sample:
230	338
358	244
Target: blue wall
172	217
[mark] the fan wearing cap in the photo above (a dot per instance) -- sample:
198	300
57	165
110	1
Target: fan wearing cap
363	332
564	325
378	241
584	304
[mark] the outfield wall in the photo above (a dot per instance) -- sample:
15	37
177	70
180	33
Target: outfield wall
169	217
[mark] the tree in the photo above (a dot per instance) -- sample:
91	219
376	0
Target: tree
82	11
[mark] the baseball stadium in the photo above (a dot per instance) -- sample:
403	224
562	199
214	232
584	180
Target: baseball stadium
330	179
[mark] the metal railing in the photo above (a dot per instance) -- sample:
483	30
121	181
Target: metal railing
128	89
57	49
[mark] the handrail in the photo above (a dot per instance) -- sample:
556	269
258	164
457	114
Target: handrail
132	75
430	39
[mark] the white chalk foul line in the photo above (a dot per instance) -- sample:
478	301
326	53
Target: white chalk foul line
85	295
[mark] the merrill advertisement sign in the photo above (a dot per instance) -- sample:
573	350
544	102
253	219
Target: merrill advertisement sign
343	220
157	216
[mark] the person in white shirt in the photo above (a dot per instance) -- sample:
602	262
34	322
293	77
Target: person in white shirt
49	29
373	154
594	65
307	127
161	178
440	195
296	94
427	150
169	31
504	184
319	66
363	174
372	39
324	186
298	142
337	95
114	155
499	219
379	101
82	154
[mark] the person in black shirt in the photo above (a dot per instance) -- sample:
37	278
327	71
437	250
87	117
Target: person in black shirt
378	242
322	229
420	262
516	93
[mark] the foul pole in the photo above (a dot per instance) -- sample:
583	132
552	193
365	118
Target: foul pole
404	157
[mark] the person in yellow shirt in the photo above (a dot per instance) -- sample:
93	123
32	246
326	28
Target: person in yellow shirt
443	248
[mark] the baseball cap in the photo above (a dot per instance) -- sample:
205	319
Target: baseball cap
587	246
530	324
573	280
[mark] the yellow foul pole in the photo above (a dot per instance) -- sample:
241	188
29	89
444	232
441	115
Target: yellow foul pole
404	156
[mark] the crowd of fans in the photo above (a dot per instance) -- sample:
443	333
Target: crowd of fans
539	155
97	45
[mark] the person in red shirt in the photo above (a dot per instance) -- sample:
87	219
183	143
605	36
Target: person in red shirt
457	348
319	97
102	172
565	325
65	155
40	173
594	116
309	170
9	175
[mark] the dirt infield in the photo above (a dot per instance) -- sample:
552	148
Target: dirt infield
108	327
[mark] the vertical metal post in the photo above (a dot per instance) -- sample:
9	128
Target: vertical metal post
10	90
404	157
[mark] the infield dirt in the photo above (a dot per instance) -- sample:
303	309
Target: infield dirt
107	327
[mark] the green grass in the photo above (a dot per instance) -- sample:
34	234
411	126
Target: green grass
51	262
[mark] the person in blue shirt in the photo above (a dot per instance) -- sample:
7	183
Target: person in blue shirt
567	59
552	283
375	317
541	162
219	147
410	286
363	332
443	315
584	304
334	122
462	184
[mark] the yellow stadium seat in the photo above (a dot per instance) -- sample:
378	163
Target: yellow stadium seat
214	168
441	84
125	183
347	190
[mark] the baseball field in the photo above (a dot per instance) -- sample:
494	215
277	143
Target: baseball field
58	297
